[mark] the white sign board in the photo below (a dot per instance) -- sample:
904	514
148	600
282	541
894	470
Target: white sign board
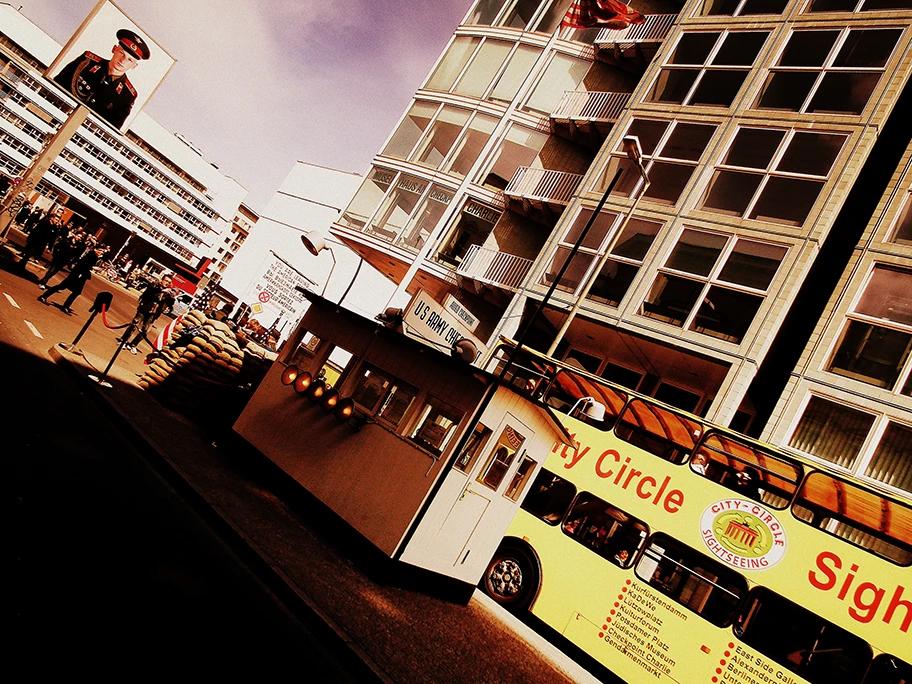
272	295
466	317
430	322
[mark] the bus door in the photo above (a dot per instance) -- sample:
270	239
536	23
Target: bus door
470	513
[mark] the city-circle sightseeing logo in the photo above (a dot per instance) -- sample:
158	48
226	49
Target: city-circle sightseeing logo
743	534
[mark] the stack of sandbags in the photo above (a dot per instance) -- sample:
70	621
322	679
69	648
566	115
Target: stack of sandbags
257	360
198	372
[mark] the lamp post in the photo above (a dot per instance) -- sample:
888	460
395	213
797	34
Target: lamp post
631	145
315	243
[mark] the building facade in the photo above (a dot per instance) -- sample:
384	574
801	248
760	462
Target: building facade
148	194
751	271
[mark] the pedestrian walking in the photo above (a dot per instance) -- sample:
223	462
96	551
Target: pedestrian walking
38	240
76	279
32	220
24	212
66	251
154	299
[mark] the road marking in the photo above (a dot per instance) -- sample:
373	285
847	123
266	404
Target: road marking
34	330
11	301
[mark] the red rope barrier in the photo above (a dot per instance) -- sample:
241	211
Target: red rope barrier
104	320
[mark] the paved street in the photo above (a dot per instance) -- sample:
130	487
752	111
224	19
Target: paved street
141	538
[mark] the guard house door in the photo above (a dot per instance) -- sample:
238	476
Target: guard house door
476	503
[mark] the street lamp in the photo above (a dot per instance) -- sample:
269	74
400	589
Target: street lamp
315	243
631	145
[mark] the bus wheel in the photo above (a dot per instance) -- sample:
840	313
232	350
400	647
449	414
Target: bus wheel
511	578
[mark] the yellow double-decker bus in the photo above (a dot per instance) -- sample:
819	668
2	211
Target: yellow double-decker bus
671	550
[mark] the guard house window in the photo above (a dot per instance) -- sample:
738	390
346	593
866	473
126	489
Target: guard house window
367	199
476	221
707	587
828	71
813	648
520	147
621	266
713	284
857	5
473	448
563	73
502	456
671	150
436	425
875	342
382	395
743	8
520	478
549	497
610	532
707	69
772	175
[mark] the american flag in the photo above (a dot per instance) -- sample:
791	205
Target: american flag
601	14
165	334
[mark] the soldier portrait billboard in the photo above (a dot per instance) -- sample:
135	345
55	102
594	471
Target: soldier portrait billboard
110	65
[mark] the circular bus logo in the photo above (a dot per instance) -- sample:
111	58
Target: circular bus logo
743	534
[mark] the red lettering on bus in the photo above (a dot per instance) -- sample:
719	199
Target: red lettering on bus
639	489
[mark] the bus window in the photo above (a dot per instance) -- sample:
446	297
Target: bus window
861	517
661	432
726	459
887	669
608	531
797	639
711	590
549	497
568	388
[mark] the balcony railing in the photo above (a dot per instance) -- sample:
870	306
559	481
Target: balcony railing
555	187
591	106
493	267
653	30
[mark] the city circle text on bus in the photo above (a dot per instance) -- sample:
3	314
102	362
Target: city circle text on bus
610	466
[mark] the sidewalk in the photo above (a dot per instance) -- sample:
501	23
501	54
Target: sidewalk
399	634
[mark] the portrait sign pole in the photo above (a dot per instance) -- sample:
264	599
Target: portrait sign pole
34	173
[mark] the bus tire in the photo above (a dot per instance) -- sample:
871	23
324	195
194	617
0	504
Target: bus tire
512	577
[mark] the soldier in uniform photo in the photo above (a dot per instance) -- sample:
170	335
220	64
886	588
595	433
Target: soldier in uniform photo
102	84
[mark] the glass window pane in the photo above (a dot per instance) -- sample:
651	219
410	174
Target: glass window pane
867	48
451	65
475	224
832	432
687	141
636	239
517	70
730	192
693	48
811	153
726	314
668	181
425	220
752	7
564	73
367	199
892	461
740	49
611	533
549	497
397	208
718	89
786	91
468	149
520	148
483	67
772	205
832	5
753	148
871	353
552	17
843	93
520	477
612	282
673	85
473	448
671	299
484	12
886	296
440	137
575	272
410	130
436	425
752	264
597	232
649	133
902	233
808	48
520	14
696	252
501	458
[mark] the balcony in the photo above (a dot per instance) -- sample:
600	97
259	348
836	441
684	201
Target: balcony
587	117
488	267
634	47
541	194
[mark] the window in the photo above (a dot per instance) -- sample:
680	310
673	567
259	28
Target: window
562	74
410	130
902	231
661	432
858	516
473	448
707	69
501	458
831	432
811	647
707	587
485	12
518	68
772	175
671	150
713	284
621	266
875	342
549	497
407	212
452	64
367	199
440	137
436	425
476	221
382	395
567	389
857	5
484	66
611	533
520	478
467	149
520	147
422	222
828	71
887	669
743	8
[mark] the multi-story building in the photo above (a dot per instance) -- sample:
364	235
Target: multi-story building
241	225
751	270
147	193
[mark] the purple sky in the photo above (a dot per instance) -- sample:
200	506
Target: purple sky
260	84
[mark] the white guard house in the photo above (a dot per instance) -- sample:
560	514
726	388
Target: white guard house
424	454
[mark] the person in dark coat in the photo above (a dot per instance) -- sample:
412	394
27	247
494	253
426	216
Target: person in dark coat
154	299
66	250
24	212
38	239
32	220
102	84
76	279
